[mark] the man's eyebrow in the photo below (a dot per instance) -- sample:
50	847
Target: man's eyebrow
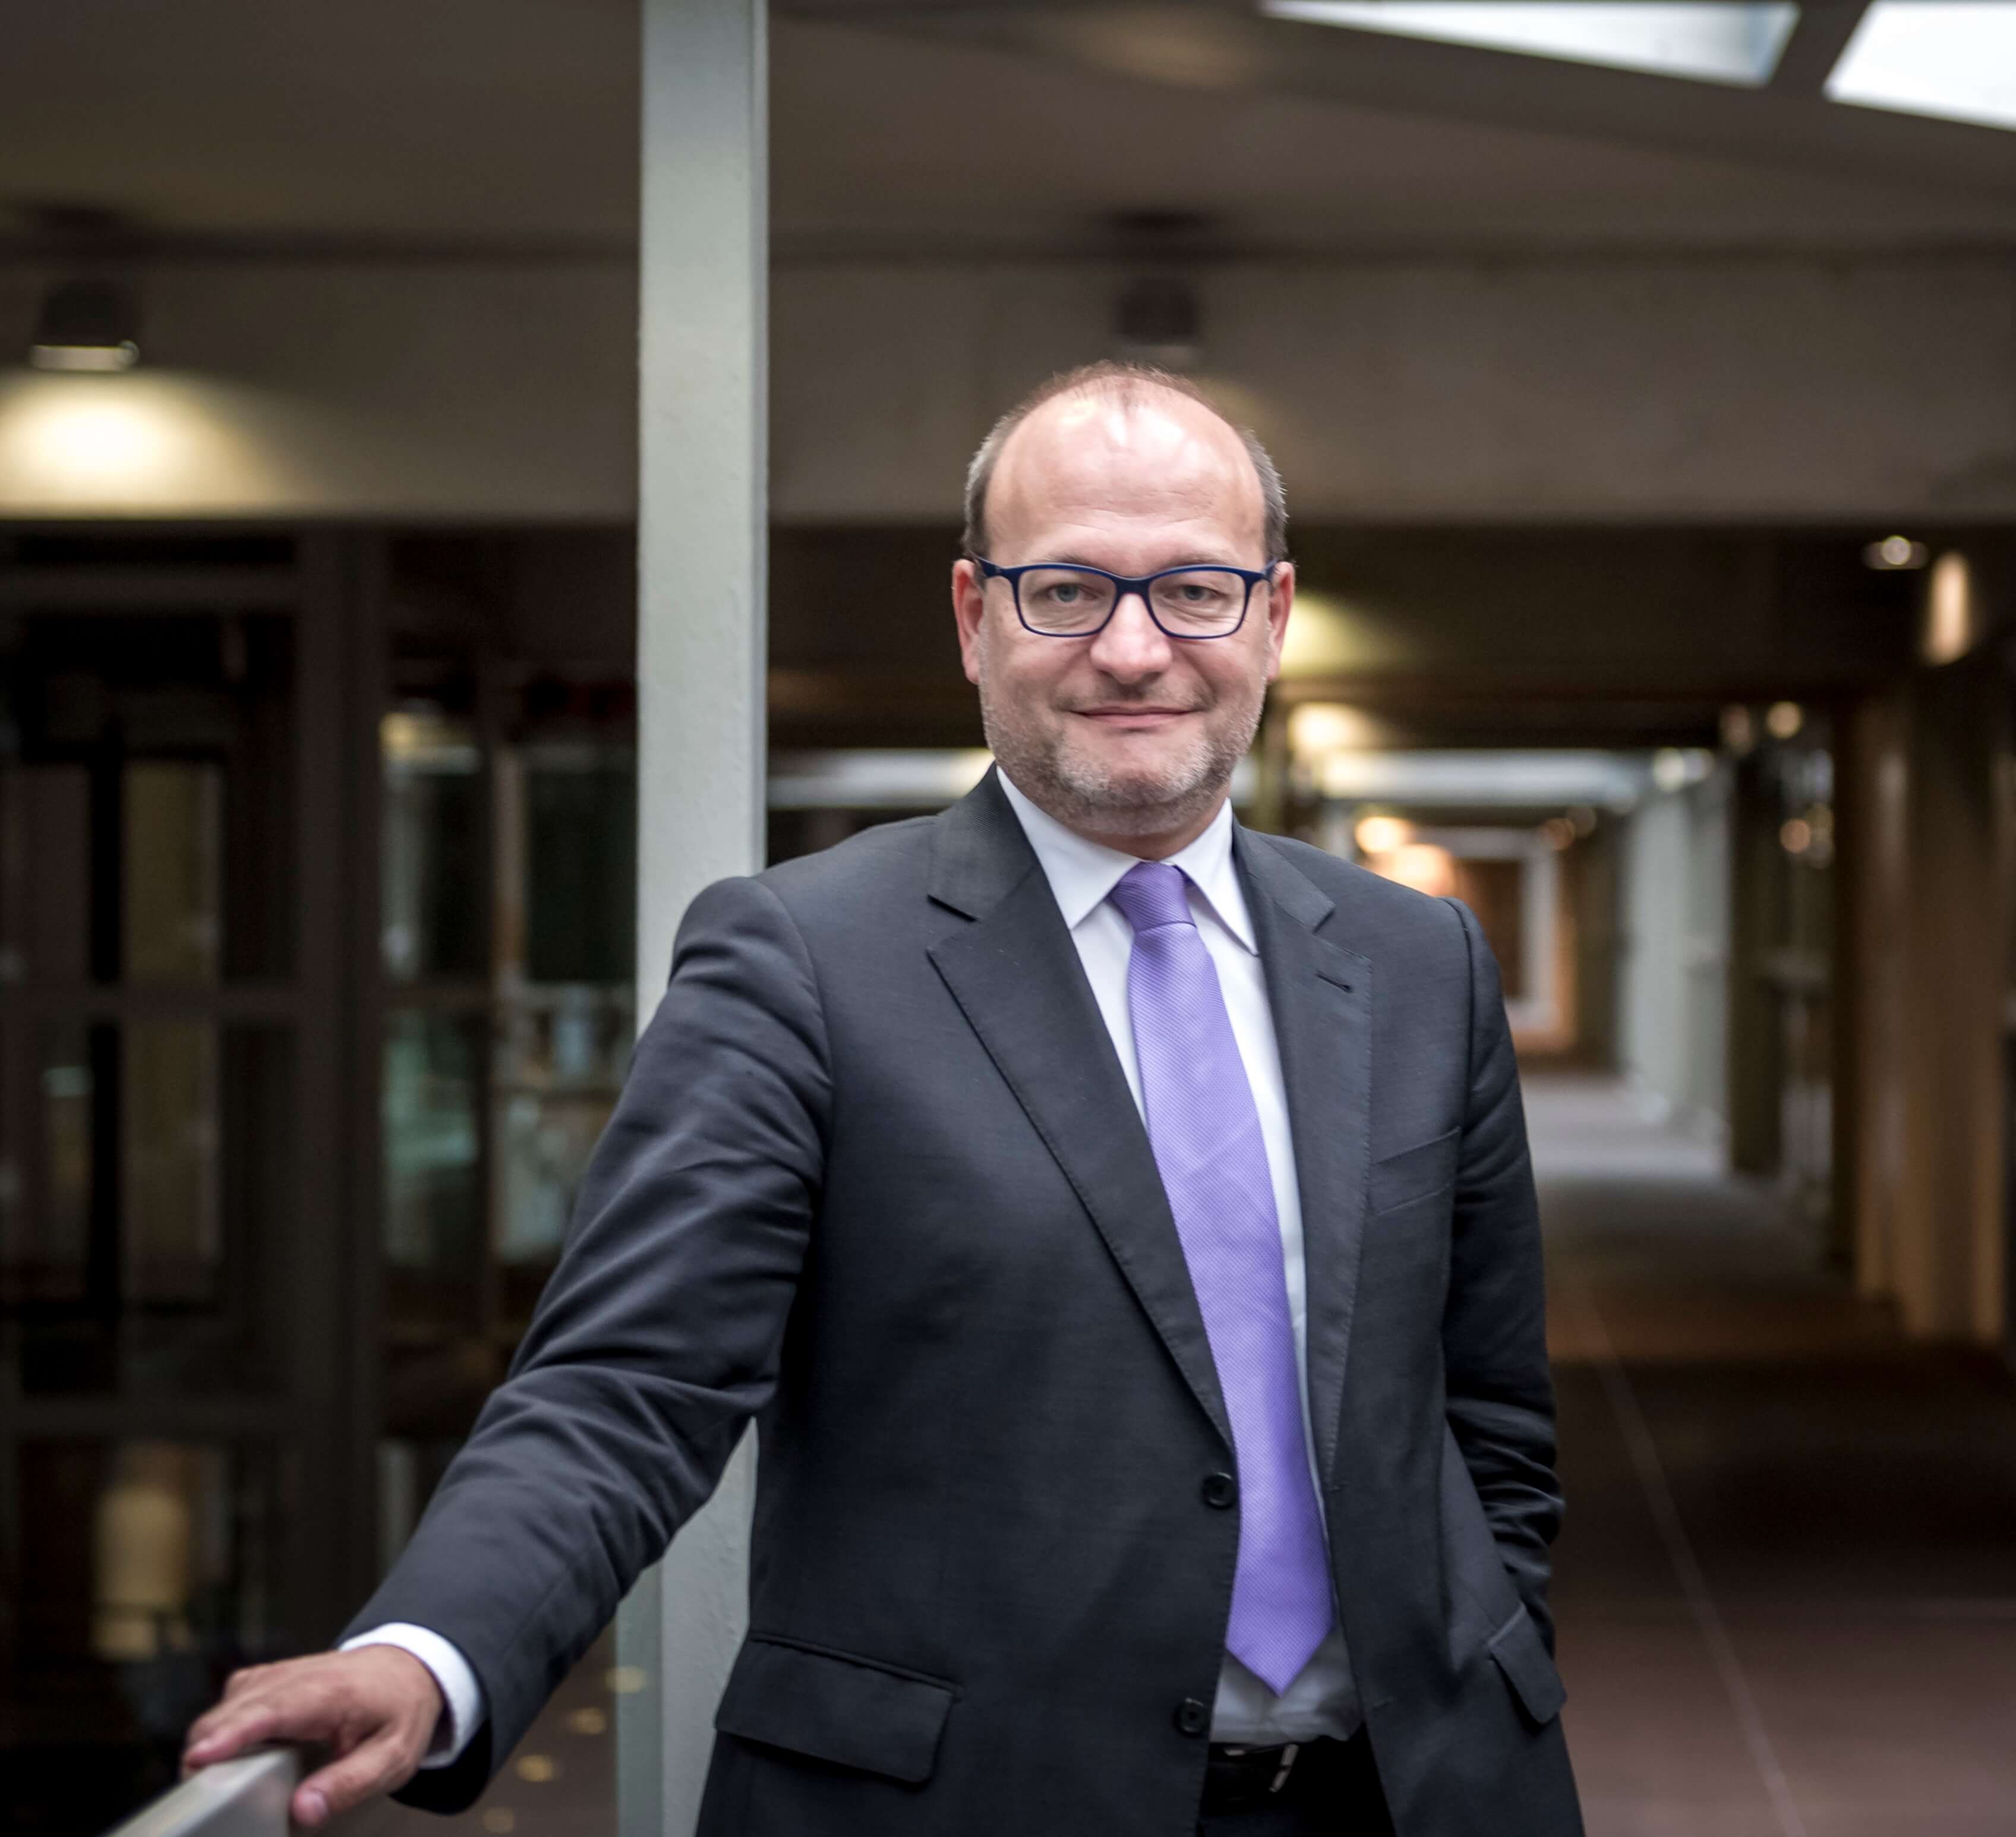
1072	559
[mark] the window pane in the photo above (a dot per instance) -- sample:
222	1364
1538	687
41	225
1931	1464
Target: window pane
151	1562
435	905
580	885
1722	41
49	1246
44	873
169	1178
1953	58
434	1192
562	1059
172	871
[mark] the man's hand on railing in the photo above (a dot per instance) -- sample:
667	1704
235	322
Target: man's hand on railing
375	1708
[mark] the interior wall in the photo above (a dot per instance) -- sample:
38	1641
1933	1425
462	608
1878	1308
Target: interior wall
1674	954
1930	930
1564	387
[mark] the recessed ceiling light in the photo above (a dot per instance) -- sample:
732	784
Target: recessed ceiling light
1717	41
1952	58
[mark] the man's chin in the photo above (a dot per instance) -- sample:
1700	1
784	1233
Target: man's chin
1132	787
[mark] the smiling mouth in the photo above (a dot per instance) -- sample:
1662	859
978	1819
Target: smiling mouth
1124	716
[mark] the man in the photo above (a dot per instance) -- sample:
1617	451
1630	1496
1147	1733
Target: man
1119	1225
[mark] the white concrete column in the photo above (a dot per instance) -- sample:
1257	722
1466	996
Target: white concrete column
702	529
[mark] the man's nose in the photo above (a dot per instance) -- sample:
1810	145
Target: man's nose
1130	645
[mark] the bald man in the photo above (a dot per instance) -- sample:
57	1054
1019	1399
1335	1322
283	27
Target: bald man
1118	1224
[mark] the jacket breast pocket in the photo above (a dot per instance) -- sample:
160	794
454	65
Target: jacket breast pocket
853	1712
1419	1172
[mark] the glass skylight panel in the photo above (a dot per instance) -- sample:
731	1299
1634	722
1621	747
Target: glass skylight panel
1719	41
1954	59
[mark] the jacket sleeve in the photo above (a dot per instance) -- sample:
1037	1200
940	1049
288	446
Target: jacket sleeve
1500	1398
655	1340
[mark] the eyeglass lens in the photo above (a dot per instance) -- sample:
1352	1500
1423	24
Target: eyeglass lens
1198	603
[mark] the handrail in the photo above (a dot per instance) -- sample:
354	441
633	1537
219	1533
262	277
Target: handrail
247	1797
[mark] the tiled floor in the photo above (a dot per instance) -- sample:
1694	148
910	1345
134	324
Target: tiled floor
1787	1587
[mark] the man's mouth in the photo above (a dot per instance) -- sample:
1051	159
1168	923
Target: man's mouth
1132	715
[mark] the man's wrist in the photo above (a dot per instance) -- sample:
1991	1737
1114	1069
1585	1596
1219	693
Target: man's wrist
462	1706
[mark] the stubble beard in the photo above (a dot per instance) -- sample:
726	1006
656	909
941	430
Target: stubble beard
1089	795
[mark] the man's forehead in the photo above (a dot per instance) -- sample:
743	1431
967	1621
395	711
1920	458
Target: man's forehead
1144	446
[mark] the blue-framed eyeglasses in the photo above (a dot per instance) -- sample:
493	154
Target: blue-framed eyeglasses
1066	600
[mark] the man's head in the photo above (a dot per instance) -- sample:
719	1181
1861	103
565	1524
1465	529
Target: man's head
1129	735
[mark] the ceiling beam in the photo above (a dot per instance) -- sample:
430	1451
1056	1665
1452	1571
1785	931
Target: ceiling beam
1815	47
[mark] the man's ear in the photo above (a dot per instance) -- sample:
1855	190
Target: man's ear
1280	602
969	607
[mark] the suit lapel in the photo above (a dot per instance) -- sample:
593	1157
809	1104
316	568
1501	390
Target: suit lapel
1015	973
1321	994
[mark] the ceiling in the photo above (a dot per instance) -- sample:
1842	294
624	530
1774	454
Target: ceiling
509	126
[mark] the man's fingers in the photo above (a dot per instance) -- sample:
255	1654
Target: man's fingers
233	1727
379	1765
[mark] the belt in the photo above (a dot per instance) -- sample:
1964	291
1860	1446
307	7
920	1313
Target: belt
1239	1778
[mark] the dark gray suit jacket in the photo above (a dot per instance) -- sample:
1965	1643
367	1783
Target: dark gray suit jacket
877	1180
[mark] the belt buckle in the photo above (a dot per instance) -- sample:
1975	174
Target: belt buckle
1287	1766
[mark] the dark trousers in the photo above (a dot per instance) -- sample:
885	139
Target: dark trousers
1332	1788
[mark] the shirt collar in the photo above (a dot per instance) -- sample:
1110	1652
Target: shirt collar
1082	872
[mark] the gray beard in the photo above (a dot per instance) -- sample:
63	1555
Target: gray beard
1087	798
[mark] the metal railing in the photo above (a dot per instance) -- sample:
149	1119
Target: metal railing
247	1797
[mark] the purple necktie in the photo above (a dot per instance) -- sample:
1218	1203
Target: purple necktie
1205	1133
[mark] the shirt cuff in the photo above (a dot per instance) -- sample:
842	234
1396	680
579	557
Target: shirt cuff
462	1710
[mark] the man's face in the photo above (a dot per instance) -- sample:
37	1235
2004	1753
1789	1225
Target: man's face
1128	732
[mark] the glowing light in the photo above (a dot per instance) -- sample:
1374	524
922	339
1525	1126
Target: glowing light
87	358
95	440
1782	719
587	1722
1320	727
500	1820
1381	835
1950	632
1738	729
1722	41
624	1681
1675	767
1952	58
1422	866
1559	832
1326	637
1797	836
537	1769
1896	552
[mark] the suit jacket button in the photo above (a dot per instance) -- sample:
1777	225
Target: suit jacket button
1220	1489
1192	1717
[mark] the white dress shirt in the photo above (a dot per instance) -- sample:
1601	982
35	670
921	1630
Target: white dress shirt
1323	1699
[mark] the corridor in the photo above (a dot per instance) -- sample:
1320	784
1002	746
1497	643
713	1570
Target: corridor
1787	1587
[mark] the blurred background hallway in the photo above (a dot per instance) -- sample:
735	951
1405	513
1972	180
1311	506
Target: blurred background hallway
1787	1589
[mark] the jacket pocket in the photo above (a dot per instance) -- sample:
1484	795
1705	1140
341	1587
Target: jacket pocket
1522	1656
854	1712
1413	1173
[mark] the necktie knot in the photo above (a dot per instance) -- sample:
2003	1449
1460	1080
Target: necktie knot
1153	893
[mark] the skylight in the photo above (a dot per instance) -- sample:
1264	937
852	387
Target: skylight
1954	59
1722	41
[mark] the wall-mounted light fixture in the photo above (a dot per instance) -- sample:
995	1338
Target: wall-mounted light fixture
1158	320
1953	620
1894	553
87	325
